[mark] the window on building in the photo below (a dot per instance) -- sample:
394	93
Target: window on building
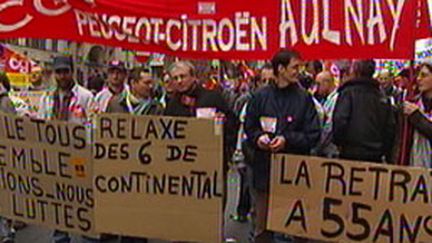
10	41
36	43
41	44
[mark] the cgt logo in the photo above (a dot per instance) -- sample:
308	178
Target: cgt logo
18	64
57	7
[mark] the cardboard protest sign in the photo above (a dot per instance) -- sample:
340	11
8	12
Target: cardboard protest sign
345	201
46	174
159	177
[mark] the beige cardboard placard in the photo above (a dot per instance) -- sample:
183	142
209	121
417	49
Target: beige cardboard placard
46	174
347	201
158	177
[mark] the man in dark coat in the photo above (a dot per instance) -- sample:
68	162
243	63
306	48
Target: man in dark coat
280	118
192	100
363	120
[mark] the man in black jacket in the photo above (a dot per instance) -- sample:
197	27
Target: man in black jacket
363	120
192	100
279	118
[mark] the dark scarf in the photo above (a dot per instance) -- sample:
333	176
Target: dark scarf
61	108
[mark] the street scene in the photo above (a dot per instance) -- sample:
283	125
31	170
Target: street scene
286	121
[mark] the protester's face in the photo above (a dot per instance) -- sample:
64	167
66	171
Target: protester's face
385	79
116	76
425	80
182	78
36	77
291	72
267	77
324	84
144	86
64	77
400	82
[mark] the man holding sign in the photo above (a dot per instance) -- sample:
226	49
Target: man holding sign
136	100
192	100
279	118
68	102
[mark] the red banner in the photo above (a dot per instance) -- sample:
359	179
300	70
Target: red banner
13	62
424	19
235	29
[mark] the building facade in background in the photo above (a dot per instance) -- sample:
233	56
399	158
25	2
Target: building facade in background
89	58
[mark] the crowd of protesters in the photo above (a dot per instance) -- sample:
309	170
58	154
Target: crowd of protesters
289	107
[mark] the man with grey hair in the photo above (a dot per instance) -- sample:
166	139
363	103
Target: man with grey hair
185	76
192	100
